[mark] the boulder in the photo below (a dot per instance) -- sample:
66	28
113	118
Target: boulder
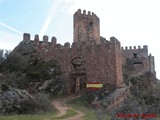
53	86
15	100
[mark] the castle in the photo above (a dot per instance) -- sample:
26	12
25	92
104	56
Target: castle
90	57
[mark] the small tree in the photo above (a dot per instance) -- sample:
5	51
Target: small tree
40	70
4	54
1	56
14	62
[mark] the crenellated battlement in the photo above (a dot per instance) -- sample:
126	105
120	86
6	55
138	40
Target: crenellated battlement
44	41
145	47
53	42
27	38
67	45
114	40
36	37
84	14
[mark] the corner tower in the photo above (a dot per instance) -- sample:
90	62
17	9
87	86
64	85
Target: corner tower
86	27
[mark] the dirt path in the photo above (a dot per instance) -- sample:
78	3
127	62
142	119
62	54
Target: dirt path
79	116
61	106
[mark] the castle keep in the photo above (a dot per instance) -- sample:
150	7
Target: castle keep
90	57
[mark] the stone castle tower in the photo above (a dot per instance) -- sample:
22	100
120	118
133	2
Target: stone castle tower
86	27
89	58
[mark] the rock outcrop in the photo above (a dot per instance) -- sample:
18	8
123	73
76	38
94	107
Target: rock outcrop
15	100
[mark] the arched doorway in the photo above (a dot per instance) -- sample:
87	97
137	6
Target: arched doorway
78	76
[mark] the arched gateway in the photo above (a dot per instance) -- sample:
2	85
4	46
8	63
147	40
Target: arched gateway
78	76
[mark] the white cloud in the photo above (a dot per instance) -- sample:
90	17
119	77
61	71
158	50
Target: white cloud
8	46
51	14
9	40
11	28
68	0
62	10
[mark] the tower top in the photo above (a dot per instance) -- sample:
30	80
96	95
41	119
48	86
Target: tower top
88	14
86	27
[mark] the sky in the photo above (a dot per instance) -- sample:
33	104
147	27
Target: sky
132	22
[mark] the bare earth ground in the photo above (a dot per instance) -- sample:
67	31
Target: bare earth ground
60	105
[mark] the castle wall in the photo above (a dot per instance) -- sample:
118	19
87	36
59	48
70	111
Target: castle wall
139	57
102	61
152	64
141	52
117	60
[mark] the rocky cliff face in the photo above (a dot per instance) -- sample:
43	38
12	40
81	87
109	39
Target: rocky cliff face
15	100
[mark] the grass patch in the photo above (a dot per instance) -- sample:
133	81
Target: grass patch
80	104
89	114
50	116
45	116
69	113
80	101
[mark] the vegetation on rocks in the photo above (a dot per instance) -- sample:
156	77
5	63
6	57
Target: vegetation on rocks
144	96
23	74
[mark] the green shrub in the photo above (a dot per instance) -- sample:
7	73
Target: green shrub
43	102
14	62
40	70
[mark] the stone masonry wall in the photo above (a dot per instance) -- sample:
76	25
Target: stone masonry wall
102	61
139	56
86	27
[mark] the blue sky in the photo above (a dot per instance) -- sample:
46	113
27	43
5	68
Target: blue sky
132	22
